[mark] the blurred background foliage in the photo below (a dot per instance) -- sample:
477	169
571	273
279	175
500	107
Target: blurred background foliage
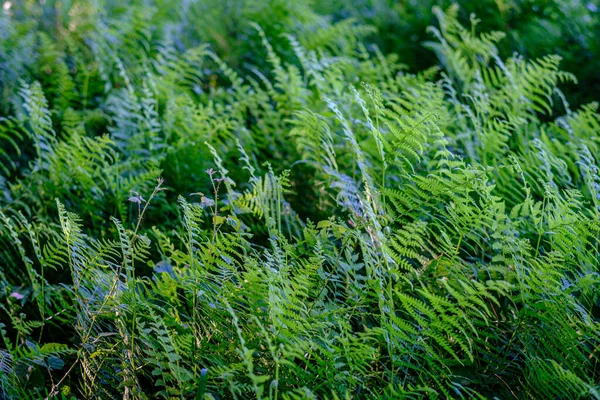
534	28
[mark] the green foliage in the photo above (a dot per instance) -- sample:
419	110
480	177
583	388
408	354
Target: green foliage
248	200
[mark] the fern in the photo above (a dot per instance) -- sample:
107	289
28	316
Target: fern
327	223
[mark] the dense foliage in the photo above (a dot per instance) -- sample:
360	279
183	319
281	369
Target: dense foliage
293	200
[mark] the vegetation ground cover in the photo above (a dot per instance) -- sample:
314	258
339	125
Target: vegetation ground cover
346	199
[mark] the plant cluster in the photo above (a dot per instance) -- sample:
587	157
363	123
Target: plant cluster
241	199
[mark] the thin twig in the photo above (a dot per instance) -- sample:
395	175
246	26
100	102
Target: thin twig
511	391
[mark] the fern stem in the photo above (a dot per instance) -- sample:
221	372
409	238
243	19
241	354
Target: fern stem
459	242
537	245
279	207
85	88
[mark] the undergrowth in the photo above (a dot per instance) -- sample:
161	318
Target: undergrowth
274	208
